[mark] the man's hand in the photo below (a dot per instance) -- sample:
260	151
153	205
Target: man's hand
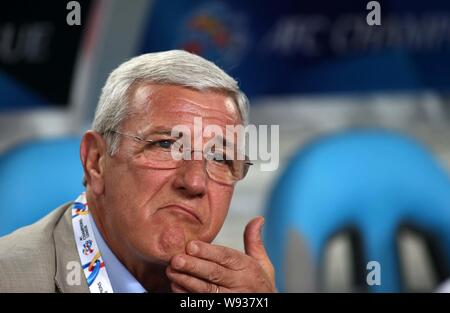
211	268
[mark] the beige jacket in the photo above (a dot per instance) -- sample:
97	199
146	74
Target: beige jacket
40	257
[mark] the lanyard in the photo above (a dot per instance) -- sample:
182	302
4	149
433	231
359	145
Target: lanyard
91	259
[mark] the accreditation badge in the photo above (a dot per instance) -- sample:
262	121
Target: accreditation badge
91	259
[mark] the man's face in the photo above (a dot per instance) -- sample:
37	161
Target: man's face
144	209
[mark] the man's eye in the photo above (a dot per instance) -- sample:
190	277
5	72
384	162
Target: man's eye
164	143
221	158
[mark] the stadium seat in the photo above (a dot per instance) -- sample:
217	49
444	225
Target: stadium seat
372	185
36	177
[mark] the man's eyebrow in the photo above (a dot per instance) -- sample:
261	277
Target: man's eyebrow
161	131
168	132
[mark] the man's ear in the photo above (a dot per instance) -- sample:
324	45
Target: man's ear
93	154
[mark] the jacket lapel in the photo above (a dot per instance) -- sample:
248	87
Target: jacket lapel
69	276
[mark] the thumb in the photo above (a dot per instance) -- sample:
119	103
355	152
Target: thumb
253	243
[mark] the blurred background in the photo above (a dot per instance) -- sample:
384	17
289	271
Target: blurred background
363	114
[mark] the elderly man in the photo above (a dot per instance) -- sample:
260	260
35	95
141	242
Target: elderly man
147	219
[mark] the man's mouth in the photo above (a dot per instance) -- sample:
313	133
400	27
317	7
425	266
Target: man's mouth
184	210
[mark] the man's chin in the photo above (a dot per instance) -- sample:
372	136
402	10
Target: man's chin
172	240
166	244
163	257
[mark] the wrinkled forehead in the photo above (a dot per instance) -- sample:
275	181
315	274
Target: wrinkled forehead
155	107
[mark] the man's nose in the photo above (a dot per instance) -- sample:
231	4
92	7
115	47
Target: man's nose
191	178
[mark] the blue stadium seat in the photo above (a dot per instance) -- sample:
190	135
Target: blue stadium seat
373	181
36	177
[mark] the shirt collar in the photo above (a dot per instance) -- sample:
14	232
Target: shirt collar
121	279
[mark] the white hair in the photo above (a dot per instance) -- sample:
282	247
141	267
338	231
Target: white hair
174	67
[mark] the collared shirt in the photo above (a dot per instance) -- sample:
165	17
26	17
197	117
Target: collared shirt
121	279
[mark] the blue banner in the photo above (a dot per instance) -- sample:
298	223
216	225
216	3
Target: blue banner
311	47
